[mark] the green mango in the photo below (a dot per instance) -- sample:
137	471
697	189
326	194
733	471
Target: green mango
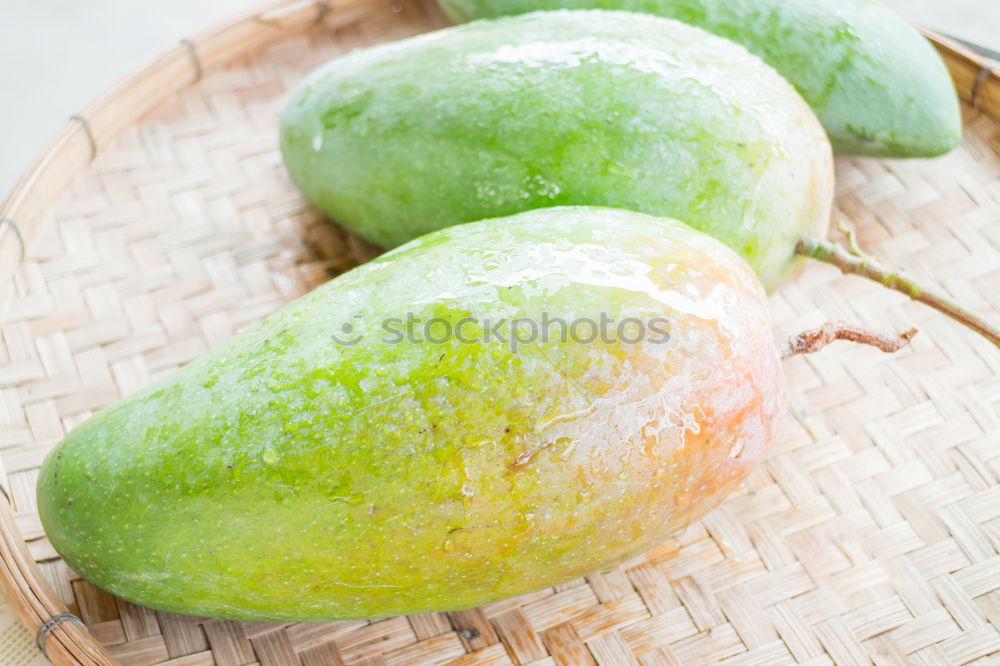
594	108
324	464
877	85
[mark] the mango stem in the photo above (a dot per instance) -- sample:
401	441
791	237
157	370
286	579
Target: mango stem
811	341
856	262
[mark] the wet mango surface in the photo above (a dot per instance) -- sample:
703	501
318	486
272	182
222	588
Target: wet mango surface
558	108
315	467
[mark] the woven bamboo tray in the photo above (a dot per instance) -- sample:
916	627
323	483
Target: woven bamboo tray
159	222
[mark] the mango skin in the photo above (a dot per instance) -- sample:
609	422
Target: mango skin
562	108
285	476
879	88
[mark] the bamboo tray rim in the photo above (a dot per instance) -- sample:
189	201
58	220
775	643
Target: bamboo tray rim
58	633
81	138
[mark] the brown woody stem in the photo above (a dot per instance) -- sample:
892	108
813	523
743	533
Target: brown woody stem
855	262
812	341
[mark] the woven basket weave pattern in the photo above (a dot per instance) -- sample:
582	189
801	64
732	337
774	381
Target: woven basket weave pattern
871	532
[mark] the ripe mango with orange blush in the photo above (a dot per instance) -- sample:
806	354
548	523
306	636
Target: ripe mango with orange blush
332	463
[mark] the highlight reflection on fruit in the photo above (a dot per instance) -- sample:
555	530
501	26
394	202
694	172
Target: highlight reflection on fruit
287	476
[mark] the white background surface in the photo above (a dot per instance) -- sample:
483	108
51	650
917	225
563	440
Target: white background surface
55	55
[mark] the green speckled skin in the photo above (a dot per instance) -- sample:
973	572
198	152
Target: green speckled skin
284	476
562	108
877	85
